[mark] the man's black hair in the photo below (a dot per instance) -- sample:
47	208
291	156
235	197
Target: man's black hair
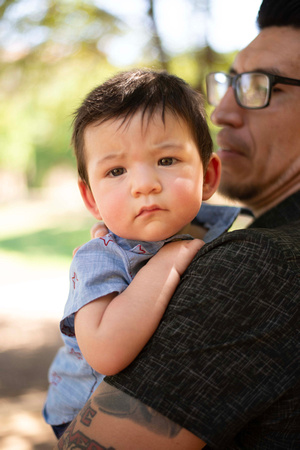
279	13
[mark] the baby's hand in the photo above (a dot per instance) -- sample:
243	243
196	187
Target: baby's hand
179	254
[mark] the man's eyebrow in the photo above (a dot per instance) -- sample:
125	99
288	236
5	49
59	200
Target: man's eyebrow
270	70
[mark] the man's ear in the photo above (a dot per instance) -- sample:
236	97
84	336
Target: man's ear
88	199
212	177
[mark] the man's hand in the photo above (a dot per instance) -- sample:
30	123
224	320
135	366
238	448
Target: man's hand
98	230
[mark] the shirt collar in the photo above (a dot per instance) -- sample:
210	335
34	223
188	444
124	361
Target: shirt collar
285	212
217	219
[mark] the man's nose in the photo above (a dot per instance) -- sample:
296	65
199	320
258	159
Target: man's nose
228	112
145	181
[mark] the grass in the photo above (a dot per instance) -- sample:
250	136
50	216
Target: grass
43	230
50	244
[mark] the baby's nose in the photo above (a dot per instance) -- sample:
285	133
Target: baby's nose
145	182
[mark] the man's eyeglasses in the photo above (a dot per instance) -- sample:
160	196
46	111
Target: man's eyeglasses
252	90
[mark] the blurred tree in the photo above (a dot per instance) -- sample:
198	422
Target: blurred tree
156	39
52	52
48	49
50	30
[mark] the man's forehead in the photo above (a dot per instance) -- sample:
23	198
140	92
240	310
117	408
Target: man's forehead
276	49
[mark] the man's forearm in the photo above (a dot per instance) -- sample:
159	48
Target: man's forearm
112	419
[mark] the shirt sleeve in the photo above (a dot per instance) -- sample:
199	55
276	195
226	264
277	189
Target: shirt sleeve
228	345
99	267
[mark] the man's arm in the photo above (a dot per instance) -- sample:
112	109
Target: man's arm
112	420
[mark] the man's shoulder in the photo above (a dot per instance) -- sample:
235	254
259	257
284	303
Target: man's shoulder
281	237
252	250
243	269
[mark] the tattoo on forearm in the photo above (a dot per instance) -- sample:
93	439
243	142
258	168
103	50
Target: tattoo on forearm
116	403
76	440
87	413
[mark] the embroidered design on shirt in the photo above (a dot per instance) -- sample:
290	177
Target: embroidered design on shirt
141	249
67	330
78	355
106	239
74	279
55	379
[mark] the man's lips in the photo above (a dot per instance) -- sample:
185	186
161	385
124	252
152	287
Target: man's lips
228	153
230	146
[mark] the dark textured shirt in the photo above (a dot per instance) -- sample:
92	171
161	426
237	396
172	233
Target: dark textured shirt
224	362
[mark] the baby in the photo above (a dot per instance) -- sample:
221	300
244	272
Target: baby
145	164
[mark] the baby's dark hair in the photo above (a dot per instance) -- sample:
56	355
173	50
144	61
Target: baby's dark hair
148	91
279	13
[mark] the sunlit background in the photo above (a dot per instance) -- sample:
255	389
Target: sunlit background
52	52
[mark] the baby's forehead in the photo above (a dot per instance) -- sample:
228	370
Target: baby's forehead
141	126
158	116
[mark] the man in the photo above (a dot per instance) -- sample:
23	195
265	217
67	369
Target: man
260	149
223	368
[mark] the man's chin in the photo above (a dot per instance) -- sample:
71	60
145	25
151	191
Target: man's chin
236	192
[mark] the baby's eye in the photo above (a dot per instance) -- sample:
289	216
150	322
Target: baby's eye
166	161
116	172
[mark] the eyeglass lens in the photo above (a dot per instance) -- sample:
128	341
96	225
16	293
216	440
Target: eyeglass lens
251	89
217	85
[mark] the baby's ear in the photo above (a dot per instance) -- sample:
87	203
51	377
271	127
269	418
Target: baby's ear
212	177
89	199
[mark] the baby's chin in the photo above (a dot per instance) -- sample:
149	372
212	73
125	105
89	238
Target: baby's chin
149	236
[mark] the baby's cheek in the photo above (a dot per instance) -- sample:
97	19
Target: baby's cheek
188	190
112	210
190	201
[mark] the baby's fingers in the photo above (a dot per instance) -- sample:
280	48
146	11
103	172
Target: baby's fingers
179	254
188	250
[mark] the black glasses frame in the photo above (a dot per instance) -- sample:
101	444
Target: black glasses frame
273	79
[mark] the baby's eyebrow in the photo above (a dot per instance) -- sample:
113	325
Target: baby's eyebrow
111	156
168	144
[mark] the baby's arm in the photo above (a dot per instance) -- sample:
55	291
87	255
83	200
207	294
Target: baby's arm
112	330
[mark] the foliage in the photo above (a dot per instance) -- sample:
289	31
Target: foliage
52	52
